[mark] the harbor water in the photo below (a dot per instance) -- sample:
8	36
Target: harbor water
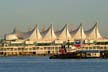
44	64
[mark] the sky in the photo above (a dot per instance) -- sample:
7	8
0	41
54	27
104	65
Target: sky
25	14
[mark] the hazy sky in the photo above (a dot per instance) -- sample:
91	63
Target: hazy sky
24	14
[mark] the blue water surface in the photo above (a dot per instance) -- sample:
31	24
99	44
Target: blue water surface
44	64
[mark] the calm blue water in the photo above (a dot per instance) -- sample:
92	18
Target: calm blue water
43	64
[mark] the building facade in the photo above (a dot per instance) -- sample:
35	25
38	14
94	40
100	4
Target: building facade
49	42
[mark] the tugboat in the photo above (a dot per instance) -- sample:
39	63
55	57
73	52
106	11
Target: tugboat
65	55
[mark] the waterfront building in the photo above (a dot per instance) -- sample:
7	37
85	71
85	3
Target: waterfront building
49	41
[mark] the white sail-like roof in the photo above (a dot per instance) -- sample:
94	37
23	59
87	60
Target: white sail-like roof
35	34
49	34
11	37
78	33
93	33
21	35
63	34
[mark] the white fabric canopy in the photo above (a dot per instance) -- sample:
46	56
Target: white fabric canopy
63	34
49	34
93	33
78	33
